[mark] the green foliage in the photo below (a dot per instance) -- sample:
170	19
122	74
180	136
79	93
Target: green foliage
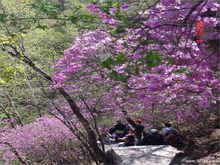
27	116
119	29
120	58
11	71
107	63
181	70
73	18
152	59
118	77
1	17
46	8
170	60
41	30
11	39
133	69
108	4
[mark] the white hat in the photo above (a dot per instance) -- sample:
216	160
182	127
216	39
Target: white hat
153	130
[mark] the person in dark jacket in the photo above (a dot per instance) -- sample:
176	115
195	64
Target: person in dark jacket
153	138
139	131
119	130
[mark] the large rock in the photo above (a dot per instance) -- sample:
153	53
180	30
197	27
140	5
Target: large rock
212	159
112	157
140	155
215	135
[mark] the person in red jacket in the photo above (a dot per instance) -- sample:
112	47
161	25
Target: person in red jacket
199	31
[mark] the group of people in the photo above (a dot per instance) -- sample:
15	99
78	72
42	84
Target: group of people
137	135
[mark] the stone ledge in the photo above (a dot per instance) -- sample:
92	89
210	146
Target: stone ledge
145	155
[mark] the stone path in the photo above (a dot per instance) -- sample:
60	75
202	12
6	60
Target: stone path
145	155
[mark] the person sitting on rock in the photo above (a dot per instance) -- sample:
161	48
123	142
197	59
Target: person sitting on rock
111	130
168	129
129	140
171	135
129	128
153	138
119	130
139	131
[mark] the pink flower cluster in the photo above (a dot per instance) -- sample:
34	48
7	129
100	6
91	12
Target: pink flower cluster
186	75
35	141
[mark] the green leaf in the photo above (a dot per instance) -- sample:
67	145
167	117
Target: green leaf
133	69
120	29
107	63
120	58
87	17
2	115
170	60
181	70
153	59
118	77
2	16
43	27
48	9
115	4
105	9
136	71
73	18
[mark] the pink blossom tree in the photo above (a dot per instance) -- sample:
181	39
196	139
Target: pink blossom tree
133	64
155	63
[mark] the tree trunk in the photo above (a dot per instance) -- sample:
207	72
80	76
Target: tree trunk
91	134
101	156
130	121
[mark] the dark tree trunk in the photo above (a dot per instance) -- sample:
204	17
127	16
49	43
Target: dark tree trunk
91	134
101	156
